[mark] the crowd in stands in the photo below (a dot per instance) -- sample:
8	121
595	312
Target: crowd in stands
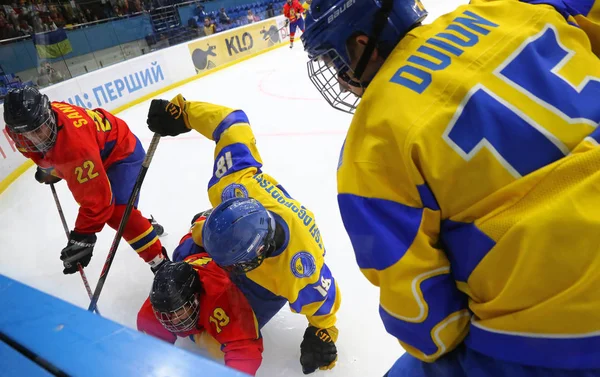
207	23
38	16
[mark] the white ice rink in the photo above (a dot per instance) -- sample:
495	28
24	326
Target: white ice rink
299	137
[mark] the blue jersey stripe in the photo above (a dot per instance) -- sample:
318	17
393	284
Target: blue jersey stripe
551	352
232	158
381	231
314	292
235	117
582	7
427	197
325	309
442	298
142	242
264	303
185	249
465	246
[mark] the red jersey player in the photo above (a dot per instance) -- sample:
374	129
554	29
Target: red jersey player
99	158
196	298
292	10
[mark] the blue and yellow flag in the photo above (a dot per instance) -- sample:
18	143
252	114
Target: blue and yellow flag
53	44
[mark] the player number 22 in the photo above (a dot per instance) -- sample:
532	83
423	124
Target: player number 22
219	318
88	167
224	163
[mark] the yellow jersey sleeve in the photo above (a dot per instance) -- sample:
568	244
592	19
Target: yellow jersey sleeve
236	155
393	221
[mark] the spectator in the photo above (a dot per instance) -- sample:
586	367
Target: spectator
209	27
199	12
163	42
47	75
270	10
9	32
251	17
223	17
38	25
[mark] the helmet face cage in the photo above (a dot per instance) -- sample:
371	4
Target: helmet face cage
181	319
328	73
41	139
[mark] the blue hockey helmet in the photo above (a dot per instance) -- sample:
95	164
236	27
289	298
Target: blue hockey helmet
238	234
331	23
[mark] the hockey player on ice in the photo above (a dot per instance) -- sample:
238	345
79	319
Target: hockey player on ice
268	241
99	158
469	181
292	10
194	297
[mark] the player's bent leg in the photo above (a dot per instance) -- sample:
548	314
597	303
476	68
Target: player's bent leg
293	26
138	232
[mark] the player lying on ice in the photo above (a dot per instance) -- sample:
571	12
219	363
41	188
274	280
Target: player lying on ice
99	158
194	297
469	181
268	241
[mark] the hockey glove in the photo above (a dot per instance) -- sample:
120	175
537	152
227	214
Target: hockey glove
166	118
318	350
201	214
42	176
78	250
165	260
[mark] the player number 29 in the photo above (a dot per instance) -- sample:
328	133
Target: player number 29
219	318
224	163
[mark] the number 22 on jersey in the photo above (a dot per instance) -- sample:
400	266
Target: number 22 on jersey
520	144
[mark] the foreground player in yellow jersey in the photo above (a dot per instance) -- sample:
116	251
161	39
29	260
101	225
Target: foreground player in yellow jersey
469	181
269	242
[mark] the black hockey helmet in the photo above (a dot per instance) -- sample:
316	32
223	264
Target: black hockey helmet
30	121
174	296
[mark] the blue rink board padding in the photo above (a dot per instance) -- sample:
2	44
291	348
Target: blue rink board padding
80	343
16	364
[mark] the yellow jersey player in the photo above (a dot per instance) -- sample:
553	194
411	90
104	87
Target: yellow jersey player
306	7
268	241
474	155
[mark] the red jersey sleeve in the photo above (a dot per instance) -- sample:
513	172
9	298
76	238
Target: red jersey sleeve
147	323
286	10
231	321
298	7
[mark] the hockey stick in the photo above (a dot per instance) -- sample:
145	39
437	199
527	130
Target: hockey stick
134	194
66	227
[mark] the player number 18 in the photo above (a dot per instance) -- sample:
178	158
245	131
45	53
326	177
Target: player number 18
224	163
324	287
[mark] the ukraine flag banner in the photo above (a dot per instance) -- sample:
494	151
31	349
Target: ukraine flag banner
53	44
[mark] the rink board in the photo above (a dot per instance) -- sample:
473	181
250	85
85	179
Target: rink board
72	341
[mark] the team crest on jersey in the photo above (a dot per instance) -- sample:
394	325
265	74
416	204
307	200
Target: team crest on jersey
234	190
303	264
